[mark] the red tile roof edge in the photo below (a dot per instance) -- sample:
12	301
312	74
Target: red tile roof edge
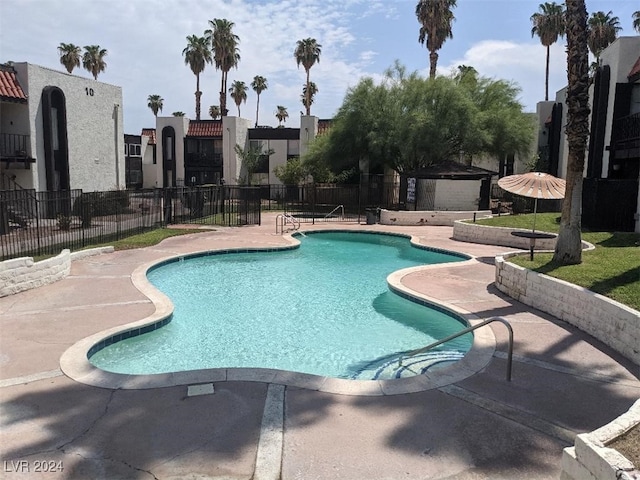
10	88
634	74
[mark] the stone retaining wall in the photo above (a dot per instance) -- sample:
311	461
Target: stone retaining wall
422	217
475	233
590	458
609	321
20	274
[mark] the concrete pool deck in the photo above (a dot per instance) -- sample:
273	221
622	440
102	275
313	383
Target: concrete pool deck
473	427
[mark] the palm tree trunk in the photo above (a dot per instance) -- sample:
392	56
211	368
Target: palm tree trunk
257	109
569	246
222	97
546	78
433	61
308	105
198	94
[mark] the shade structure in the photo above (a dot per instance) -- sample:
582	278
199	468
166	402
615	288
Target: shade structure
536	185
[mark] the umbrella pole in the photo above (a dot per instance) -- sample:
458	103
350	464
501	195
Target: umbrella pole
535	212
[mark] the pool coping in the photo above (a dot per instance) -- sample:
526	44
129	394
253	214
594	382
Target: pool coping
74	362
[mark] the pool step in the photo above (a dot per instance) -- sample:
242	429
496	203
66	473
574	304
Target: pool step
390	368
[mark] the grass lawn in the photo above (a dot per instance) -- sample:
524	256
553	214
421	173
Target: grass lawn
146	239
612	269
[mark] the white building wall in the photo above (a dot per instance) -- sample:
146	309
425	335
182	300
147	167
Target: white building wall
95	134
308	131
279	157
180	126
621	55
457	195
235	130
149	169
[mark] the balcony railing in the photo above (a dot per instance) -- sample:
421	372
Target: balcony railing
203	159
14	146
626	129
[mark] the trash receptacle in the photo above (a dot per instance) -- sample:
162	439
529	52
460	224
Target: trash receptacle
372	216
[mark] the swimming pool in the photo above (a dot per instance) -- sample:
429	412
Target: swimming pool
323	308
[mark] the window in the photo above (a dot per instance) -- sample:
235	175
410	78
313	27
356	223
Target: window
126	149
293	148
134	150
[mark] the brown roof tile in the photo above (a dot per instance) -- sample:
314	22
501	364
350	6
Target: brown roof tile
205	128
10	89
634	74
151	133
323	126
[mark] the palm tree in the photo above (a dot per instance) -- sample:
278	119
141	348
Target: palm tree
636	21
93	60
548	25
307	53
178	114
603	30
435	17
313	89
155	103
259	85
226	53
281	115
197	54
568	246
214	111
238	92
69	56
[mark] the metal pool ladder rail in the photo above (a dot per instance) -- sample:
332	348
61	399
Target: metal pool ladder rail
465	331
283	219
339	207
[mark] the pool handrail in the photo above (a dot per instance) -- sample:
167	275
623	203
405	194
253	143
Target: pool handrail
465	331
338	207
284	218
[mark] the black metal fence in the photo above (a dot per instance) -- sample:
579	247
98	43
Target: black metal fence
43	223
609	204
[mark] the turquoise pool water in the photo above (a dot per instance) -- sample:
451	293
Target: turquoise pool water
324	308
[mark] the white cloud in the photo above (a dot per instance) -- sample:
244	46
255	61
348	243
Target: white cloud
522	63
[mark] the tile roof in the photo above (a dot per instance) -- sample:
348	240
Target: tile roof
205	128
10	89
324	126
151	133
634	74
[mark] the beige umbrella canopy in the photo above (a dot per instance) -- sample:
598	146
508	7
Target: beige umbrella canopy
534	185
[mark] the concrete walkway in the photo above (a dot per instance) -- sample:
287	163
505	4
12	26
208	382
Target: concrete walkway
478	427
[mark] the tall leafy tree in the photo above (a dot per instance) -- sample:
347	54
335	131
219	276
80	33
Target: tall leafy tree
603	29
155	103
569	244
214	111
636	21
197	54
226	53
69	56
548	25
178	114
435	18
281	114
259	85
309	94
93	59
307	53
238	92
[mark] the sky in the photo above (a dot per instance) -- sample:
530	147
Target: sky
359	38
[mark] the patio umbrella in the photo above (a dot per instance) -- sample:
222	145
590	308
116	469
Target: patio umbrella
534	185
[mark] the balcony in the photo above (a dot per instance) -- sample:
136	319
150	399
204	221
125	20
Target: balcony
15	148
626	137
201	159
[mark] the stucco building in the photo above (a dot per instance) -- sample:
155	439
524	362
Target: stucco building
59	131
